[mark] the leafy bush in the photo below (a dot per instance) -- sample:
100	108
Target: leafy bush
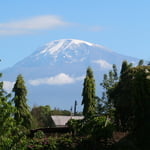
102	128
75	126
96	127
39	134
65	143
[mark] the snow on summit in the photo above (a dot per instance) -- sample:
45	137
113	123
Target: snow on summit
59	45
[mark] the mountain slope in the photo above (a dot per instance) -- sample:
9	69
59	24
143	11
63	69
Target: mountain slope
54	73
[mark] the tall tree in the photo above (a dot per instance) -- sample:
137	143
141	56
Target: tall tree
8	124
89	95
109	81
22	114
11	134
110	84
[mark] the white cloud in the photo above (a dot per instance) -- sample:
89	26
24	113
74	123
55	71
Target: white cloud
103	64
46	22
8	86
80	78
59	79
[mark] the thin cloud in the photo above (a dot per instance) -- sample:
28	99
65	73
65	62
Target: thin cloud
47	22
8	86
59	79
103	64
13	32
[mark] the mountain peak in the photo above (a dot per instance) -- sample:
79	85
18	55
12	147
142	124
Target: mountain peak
57	45
64	50
68	51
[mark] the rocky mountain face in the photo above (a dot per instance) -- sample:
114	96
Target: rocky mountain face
54	73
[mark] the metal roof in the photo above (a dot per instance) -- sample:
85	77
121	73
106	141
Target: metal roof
62	120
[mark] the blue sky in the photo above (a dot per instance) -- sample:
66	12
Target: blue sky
120	25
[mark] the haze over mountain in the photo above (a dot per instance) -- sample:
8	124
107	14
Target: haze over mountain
54	73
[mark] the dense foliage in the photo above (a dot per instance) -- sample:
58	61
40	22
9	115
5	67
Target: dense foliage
22	115
41	116
105	104
57	111
88	93
12	134
124	106
131	98
94	127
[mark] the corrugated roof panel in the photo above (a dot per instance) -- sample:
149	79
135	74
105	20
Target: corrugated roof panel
62	120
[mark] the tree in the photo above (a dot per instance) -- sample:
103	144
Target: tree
130	97
109	84
131	100
6	120
141	62
109	80
42	114
11	134
88	93
22	115
125	66
96	127
57	111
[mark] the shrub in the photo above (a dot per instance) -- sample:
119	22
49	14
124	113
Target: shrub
39	134
65	143
97	127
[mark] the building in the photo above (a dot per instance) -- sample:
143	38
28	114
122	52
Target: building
60	121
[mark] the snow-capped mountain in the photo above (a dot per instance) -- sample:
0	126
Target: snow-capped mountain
66	51
54	73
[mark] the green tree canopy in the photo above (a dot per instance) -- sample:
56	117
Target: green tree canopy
125	66
88	93
42	114
131	97
22	114
7	122
57	111
105	104
141	62
11	134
